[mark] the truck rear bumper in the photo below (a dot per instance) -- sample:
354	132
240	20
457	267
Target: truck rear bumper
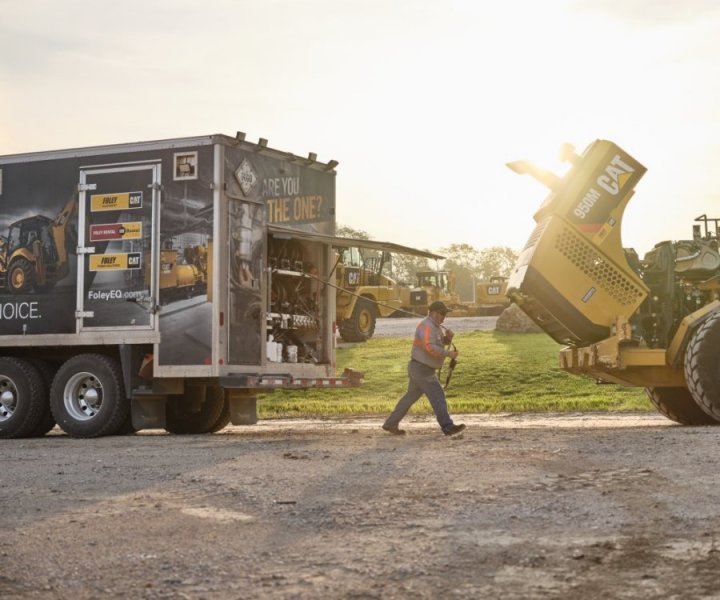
349	378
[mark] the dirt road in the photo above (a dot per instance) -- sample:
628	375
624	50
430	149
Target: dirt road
573	506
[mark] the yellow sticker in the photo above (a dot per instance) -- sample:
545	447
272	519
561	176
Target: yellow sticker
116	231
115	262
120	201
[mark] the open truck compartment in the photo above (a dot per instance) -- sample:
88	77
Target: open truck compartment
159	261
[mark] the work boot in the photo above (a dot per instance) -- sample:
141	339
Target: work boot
394	429
455	429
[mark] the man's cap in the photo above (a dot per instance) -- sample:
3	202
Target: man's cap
440	307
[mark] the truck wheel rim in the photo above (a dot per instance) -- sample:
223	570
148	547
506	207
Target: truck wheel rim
365	320
83	396
8	398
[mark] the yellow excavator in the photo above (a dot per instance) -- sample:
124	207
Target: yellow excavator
652	322
34	255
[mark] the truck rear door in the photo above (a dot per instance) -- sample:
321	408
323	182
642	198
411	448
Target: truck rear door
117	279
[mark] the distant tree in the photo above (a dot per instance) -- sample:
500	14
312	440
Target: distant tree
351	232
462	255
405	266
496	261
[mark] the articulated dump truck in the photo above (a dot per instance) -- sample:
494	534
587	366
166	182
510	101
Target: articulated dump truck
139	285
652	322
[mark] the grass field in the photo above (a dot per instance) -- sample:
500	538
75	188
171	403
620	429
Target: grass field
496	372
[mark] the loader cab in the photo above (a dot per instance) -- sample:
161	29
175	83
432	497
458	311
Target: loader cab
24	233
434	279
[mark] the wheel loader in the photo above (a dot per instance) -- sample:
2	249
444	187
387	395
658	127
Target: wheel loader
432	286
364	292
651	322
34	255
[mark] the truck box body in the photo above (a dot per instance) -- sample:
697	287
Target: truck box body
181	250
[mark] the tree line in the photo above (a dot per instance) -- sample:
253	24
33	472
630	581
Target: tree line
464	260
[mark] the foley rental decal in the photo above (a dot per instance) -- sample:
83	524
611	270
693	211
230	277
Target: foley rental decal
121	201
121	261
116	231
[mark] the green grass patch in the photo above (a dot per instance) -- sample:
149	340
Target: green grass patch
496	372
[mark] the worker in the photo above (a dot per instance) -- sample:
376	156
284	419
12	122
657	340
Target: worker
427	355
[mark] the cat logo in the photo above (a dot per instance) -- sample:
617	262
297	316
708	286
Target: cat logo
135	200
612	180
133	260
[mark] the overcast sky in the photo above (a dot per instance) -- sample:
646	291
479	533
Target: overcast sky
422	102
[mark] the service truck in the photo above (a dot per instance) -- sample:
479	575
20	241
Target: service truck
162	284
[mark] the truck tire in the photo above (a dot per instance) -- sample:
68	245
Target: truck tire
677	404
180	420
702	366
361	324
127	427
47	421
22	397
87	397
222	420
20	276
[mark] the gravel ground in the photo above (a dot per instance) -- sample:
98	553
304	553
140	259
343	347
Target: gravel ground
519	506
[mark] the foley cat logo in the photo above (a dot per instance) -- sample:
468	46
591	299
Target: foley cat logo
122	261
120	201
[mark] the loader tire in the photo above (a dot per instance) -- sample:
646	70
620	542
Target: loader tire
22	397
20	276
87	397
361	324
182	421
677	404
702	366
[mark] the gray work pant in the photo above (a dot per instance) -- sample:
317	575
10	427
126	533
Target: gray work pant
422	380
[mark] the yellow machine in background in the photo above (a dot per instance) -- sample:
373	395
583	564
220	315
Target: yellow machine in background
183	275
490	296
432	286
654	322
364	293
